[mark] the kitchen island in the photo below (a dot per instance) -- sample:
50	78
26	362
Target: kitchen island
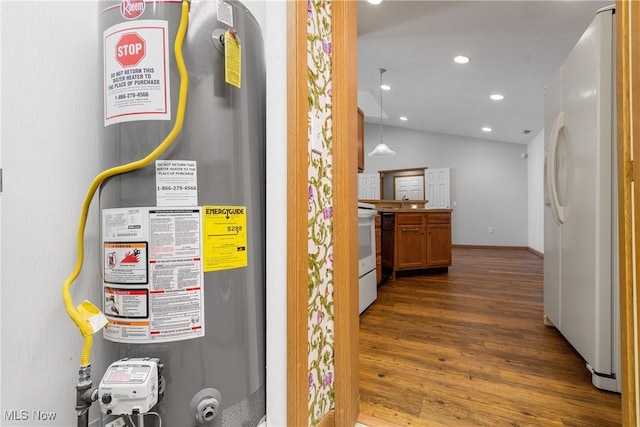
415	238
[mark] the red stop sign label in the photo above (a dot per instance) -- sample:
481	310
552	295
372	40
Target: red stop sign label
130	50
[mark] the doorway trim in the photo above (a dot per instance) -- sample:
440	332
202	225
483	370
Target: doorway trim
345	199
628	130
297	177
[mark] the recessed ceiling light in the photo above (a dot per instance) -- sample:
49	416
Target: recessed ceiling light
460	59
497	97
375	1
385	87
403	118
486	129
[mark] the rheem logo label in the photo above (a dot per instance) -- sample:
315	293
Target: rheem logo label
131	9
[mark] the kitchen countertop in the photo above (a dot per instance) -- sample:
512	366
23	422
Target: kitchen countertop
394	206
389	203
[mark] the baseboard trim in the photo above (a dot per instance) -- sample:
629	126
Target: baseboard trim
329	419
547	322
508	248
538	253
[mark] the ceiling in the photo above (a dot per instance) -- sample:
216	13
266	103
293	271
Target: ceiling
514	47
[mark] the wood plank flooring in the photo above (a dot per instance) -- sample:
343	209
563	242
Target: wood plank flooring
468	347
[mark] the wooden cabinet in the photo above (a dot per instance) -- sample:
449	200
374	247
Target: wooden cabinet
438	240
416	240
410	239
360	140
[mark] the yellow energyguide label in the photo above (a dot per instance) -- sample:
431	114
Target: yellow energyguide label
225	237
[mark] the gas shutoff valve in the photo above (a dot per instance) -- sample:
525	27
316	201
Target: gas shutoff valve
131	386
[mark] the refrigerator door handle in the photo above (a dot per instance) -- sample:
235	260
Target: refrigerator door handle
556	208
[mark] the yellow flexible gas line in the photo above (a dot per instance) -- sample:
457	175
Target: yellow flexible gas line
83	324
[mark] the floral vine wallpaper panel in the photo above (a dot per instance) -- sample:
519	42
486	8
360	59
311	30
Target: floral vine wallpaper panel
320	212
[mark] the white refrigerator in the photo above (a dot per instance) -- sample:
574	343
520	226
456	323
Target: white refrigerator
581	285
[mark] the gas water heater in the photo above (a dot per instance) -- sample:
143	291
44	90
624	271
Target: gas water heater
183	239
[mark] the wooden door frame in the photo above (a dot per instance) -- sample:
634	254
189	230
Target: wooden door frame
345	205
628	130
345	218
297	178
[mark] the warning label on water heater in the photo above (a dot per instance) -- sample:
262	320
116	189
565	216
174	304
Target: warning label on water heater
125	263
136	72
153	276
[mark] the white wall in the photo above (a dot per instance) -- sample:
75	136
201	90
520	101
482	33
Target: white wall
1	213
535	185
276	55
272	17
48	125
488	180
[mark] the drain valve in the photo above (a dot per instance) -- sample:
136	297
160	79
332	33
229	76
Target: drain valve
205	405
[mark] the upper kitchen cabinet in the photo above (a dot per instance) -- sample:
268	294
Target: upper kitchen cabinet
360	141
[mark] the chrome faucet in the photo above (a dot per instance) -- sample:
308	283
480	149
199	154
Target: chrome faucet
404	199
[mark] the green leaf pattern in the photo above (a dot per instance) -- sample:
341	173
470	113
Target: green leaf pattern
320	212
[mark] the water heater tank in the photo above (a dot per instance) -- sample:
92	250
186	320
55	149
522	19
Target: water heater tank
183	239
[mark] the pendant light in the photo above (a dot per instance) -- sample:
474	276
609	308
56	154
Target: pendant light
381	150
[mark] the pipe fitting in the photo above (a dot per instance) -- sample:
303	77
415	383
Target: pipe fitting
86	394
205	405
84	374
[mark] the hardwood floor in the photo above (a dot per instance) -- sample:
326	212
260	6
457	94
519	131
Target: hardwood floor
468	347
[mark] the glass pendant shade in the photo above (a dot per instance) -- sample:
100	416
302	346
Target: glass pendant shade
381	150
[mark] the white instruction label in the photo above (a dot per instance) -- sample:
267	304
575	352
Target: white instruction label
176	183
127	223
225	12
153	278
136	72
